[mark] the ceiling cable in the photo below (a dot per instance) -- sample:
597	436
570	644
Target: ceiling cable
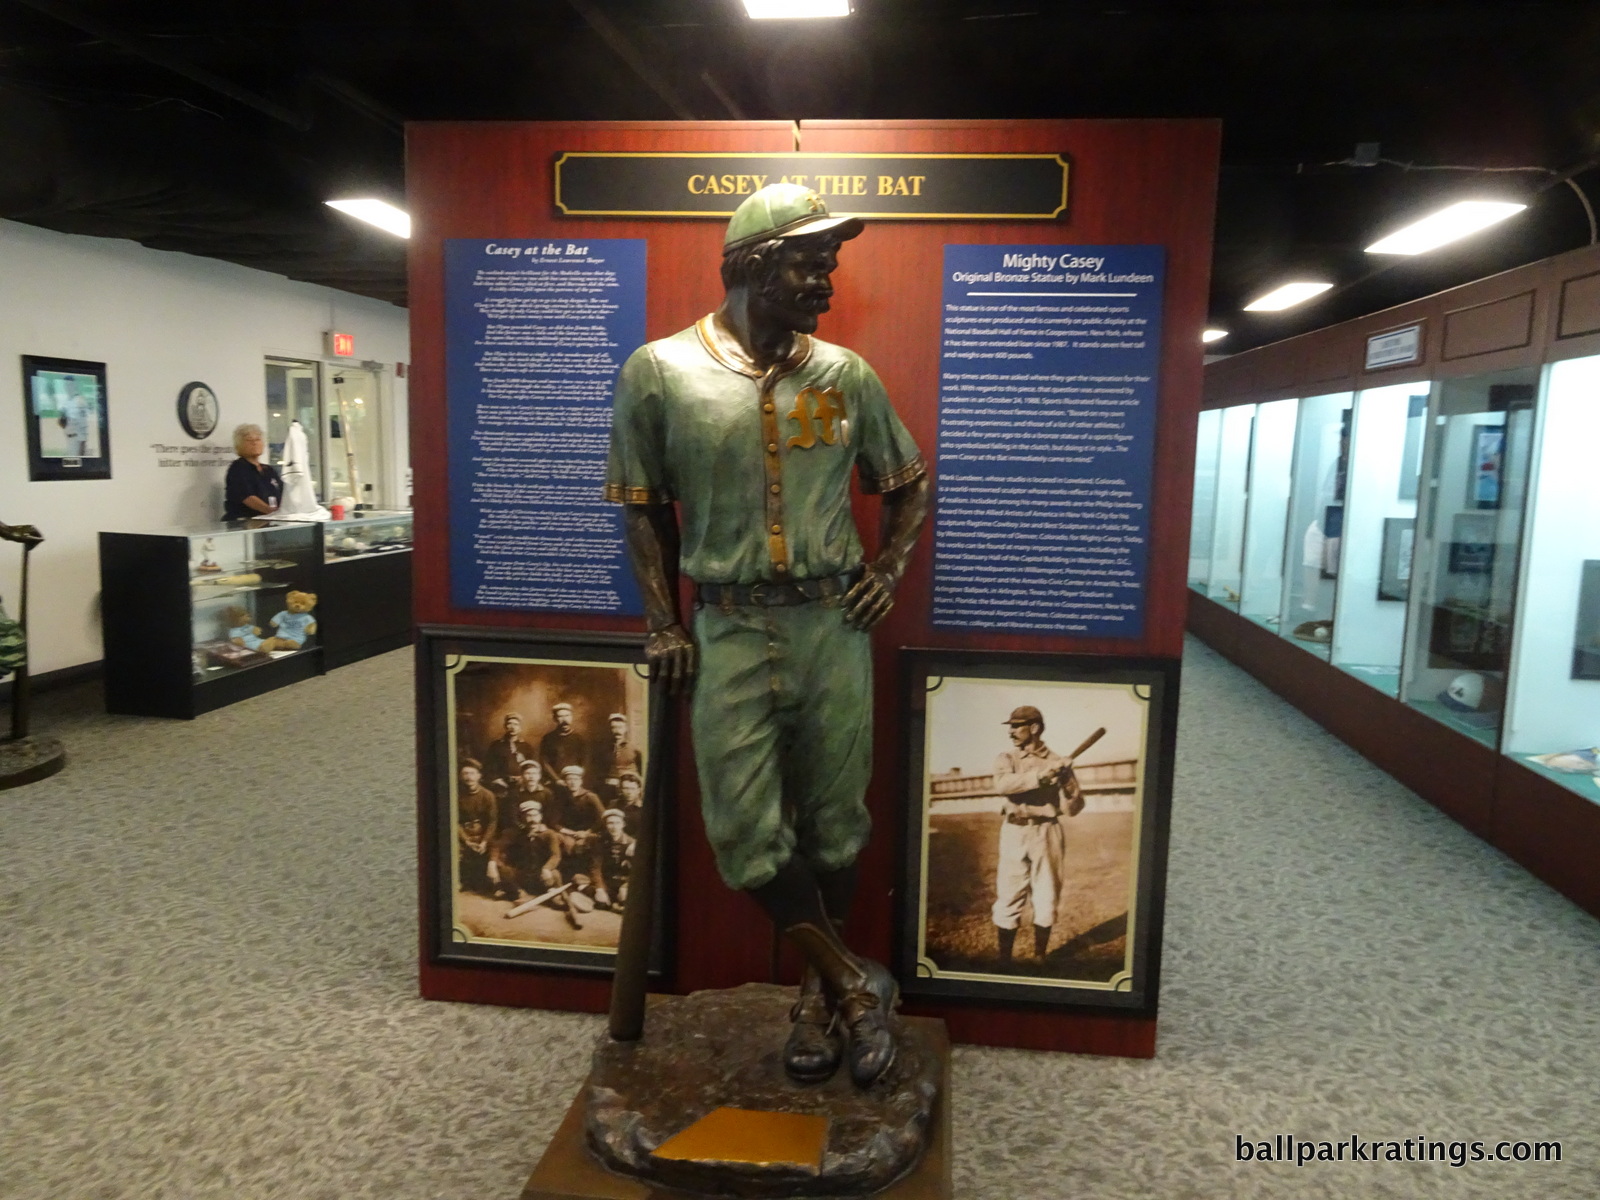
147	49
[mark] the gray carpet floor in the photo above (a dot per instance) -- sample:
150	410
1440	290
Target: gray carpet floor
207	981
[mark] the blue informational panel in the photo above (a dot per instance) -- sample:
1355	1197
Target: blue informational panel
1047	417
536	332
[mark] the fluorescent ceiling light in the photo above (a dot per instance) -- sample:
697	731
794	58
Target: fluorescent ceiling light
1287	296
376	212
1213	335
1446	225
775	10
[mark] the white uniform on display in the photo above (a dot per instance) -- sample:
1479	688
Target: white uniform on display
299	499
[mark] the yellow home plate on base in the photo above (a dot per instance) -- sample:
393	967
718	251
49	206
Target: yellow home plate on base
749	1135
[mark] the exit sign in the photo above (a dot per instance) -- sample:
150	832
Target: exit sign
341	345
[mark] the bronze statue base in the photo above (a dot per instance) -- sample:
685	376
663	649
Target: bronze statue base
717	1054
30	759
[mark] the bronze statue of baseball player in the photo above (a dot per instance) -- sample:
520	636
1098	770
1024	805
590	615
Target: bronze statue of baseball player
733	445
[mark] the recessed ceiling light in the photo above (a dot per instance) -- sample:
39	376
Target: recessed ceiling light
1287	296
1446	225
778	10
376	212
1213	335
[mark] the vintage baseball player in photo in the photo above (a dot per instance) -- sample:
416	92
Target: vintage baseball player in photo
1040	788
733	447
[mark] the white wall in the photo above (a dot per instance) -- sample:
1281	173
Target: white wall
1548	710
157	320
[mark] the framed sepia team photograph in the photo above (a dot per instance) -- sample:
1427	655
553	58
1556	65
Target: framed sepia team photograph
536	765
69	431
1035	844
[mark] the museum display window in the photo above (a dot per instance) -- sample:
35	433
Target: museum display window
342	415
1379	533
1267	511
355	442
1469	538
1316	521
294	394
194	619
1227	526
366	535
366	585
1552	720
1205	499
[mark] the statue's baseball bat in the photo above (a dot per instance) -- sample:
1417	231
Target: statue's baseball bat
630	979
1087	742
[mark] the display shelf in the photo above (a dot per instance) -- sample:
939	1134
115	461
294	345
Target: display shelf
367	585
180	641
366	535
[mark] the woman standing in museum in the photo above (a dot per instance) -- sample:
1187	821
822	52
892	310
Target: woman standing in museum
253	487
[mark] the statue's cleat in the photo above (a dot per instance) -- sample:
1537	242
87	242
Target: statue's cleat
815	1048
866	1012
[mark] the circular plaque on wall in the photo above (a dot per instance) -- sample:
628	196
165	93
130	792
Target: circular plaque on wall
198	410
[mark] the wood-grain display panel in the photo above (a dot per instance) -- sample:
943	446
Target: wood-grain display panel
494	179
1549	830
1504	324
1132	182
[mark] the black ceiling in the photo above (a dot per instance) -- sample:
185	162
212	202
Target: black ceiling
217	127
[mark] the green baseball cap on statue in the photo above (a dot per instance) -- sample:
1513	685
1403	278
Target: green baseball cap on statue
782	210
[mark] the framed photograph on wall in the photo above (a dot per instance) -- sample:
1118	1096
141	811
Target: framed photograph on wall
1472	543
1394	563
1488	461
535	763
1035	845
69	431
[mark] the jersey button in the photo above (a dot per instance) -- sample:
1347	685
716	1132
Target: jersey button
772	447
781	569
766	408
775	489
777	529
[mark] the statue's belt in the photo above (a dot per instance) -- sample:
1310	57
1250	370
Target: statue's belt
777	594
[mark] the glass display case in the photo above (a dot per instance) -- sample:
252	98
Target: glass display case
194	619
366	534
1316	521
366	585
1552	720
1469	539
1227	526
1205	499
1267	511
1379	535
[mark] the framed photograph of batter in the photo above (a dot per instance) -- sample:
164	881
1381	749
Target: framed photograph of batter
535	763
69	431
1035	845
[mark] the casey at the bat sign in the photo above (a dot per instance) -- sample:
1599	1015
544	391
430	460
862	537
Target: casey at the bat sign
1038	786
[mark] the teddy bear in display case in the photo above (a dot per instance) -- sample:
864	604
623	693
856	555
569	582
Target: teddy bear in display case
242	631
294	624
